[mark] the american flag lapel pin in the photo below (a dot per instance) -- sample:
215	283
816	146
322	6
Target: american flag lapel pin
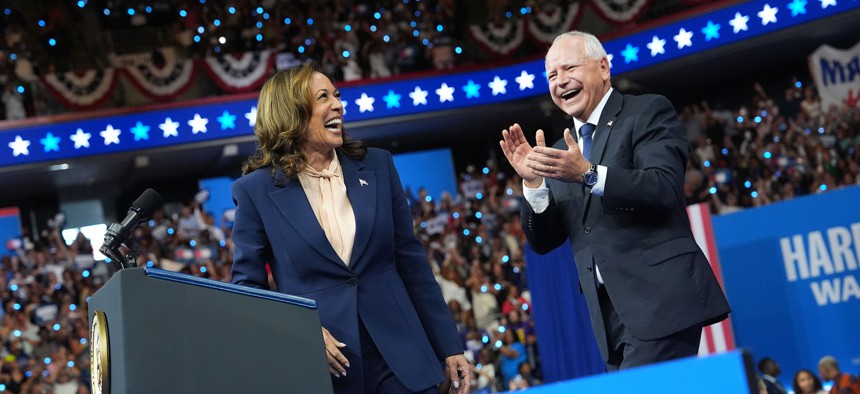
362	182
609	124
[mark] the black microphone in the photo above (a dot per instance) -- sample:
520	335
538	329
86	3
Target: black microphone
141	209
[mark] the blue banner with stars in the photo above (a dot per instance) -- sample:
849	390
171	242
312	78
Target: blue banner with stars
155	128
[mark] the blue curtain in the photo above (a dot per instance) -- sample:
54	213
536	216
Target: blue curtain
563	327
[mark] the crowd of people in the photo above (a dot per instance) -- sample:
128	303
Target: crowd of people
805	381
351	40
772	148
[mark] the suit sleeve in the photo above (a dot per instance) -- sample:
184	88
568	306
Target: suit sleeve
251	246
545	231
414	270
660	152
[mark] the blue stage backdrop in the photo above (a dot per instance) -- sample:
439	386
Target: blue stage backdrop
566	341
430	169
791	275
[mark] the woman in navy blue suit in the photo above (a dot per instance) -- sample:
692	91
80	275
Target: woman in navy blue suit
329	217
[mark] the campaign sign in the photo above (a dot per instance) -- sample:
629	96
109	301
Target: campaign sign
10	230
791	274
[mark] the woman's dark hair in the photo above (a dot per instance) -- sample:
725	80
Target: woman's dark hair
283	113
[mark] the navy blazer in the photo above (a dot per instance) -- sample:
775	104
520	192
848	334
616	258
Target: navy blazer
638	232
388	283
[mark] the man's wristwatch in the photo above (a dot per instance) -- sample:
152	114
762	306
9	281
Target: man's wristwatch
589	178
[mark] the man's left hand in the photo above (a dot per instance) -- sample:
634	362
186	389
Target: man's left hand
564	165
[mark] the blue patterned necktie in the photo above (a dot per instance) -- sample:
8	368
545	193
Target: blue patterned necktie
586	130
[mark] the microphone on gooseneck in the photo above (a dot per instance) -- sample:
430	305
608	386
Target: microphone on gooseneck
118	233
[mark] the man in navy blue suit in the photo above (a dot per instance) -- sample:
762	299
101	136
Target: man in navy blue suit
615	191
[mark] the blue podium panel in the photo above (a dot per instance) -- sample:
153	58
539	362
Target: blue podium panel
729	372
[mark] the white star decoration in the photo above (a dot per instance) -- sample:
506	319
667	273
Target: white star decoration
19	146
498	85
418	96
252	116
768	14
827	3
656	46
110	135
365	103
525	80
739	22
684	38
609	58
198	124
81	139
169	128
446	93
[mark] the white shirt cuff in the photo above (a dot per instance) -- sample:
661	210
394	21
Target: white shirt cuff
601	181
538	198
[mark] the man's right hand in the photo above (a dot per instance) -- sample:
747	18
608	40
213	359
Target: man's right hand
337	362
517	149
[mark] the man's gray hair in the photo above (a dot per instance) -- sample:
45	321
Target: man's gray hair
593	48
829	361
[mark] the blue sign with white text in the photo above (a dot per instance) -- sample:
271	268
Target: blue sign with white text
792	278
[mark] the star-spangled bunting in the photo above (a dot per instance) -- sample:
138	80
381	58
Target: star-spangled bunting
81	139
472	89
170	128
692	34
50	142
711	31
140	131
227	120
252	116
392	100
498	85
110	135
525	80
797	7
657	46
630	53
418	96
198	124
768	14
684	38
445	93
20	146
365	103
739	23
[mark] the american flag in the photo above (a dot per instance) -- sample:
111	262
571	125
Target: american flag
716	338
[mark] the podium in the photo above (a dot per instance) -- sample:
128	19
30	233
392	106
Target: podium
156	331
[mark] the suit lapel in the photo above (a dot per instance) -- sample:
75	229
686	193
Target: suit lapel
604	128
361	189
293	204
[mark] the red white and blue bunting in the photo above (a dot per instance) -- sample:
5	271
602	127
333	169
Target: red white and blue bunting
165	83
81	91
546	23
240	72
499	38
620	11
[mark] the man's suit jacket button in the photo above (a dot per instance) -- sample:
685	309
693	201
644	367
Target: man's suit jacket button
588	268
587	230
351	282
